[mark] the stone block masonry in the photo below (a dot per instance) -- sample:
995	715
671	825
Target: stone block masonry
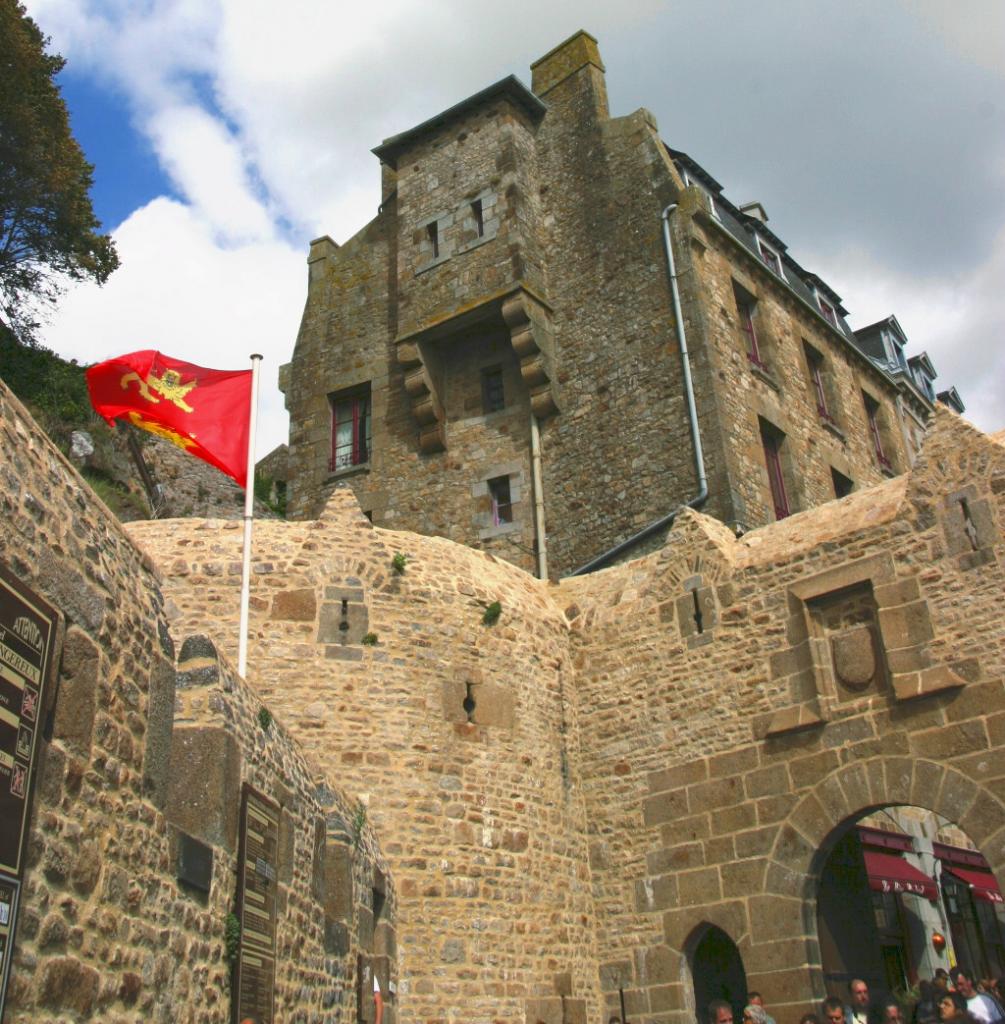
520	239
570	796
143	770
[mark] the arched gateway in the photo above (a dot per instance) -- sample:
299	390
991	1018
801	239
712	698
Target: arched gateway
774	916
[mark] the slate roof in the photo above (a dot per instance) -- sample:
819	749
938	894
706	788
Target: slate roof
510	87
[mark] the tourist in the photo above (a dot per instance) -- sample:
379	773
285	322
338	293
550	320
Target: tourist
720	1012
754	1014
857	1012
926	1011
953	1009
833	1010
755	999
885	1011
981	1006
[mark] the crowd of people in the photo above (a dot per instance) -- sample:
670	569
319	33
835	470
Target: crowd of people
950	997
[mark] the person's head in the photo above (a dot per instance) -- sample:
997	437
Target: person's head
859	992
720	1012
950	1005
754	1014
614	1019
809	1018
833	1010
889	1012
754	999
963	981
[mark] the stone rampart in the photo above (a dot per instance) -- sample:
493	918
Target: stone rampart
460	735
142	765
570	797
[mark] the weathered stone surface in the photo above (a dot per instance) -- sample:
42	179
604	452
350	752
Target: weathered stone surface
69	985
295	605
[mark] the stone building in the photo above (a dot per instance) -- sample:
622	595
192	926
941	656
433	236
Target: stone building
516	800
558	330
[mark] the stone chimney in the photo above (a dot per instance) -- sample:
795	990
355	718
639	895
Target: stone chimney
572	70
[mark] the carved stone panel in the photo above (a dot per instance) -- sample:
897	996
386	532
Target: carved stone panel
846	623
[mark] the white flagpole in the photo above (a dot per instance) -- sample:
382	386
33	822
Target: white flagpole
249	511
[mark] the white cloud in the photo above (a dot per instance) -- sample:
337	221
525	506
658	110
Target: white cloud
181	292
206	165
263	116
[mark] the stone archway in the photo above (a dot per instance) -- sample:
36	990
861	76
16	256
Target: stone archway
716	969
808	834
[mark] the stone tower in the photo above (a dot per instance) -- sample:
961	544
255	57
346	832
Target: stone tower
503	355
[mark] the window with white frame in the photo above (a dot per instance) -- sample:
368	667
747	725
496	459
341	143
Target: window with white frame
771	258
828	311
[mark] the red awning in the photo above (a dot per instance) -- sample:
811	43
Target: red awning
982	883
889	873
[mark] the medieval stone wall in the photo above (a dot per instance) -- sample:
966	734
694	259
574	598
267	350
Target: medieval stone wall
618	453
847	658
142	755
459	735
569	798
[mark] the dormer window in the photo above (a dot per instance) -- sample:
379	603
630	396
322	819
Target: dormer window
925	384
771	258
894	351
827	310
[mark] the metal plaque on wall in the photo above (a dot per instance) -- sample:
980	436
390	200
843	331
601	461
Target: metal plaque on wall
256	908
28	632
8	912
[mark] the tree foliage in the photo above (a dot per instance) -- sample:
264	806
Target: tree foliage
48	231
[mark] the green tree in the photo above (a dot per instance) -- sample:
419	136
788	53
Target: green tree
48	231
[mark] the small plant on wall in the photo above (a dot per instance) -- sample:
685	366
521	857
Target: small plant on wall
370	640
399	562
358	823
232	937
492	613
264	718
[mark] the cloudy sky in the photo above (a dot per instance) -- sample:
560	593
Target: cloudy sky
227	133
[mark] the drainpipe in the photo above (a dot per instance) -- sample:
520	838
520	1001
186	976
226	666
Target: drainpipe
535	463
699	459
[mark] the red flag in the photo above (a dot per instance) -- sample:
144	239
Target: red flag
204	412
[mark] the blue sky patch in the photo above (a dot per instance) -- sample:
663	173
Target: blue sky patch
126	172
